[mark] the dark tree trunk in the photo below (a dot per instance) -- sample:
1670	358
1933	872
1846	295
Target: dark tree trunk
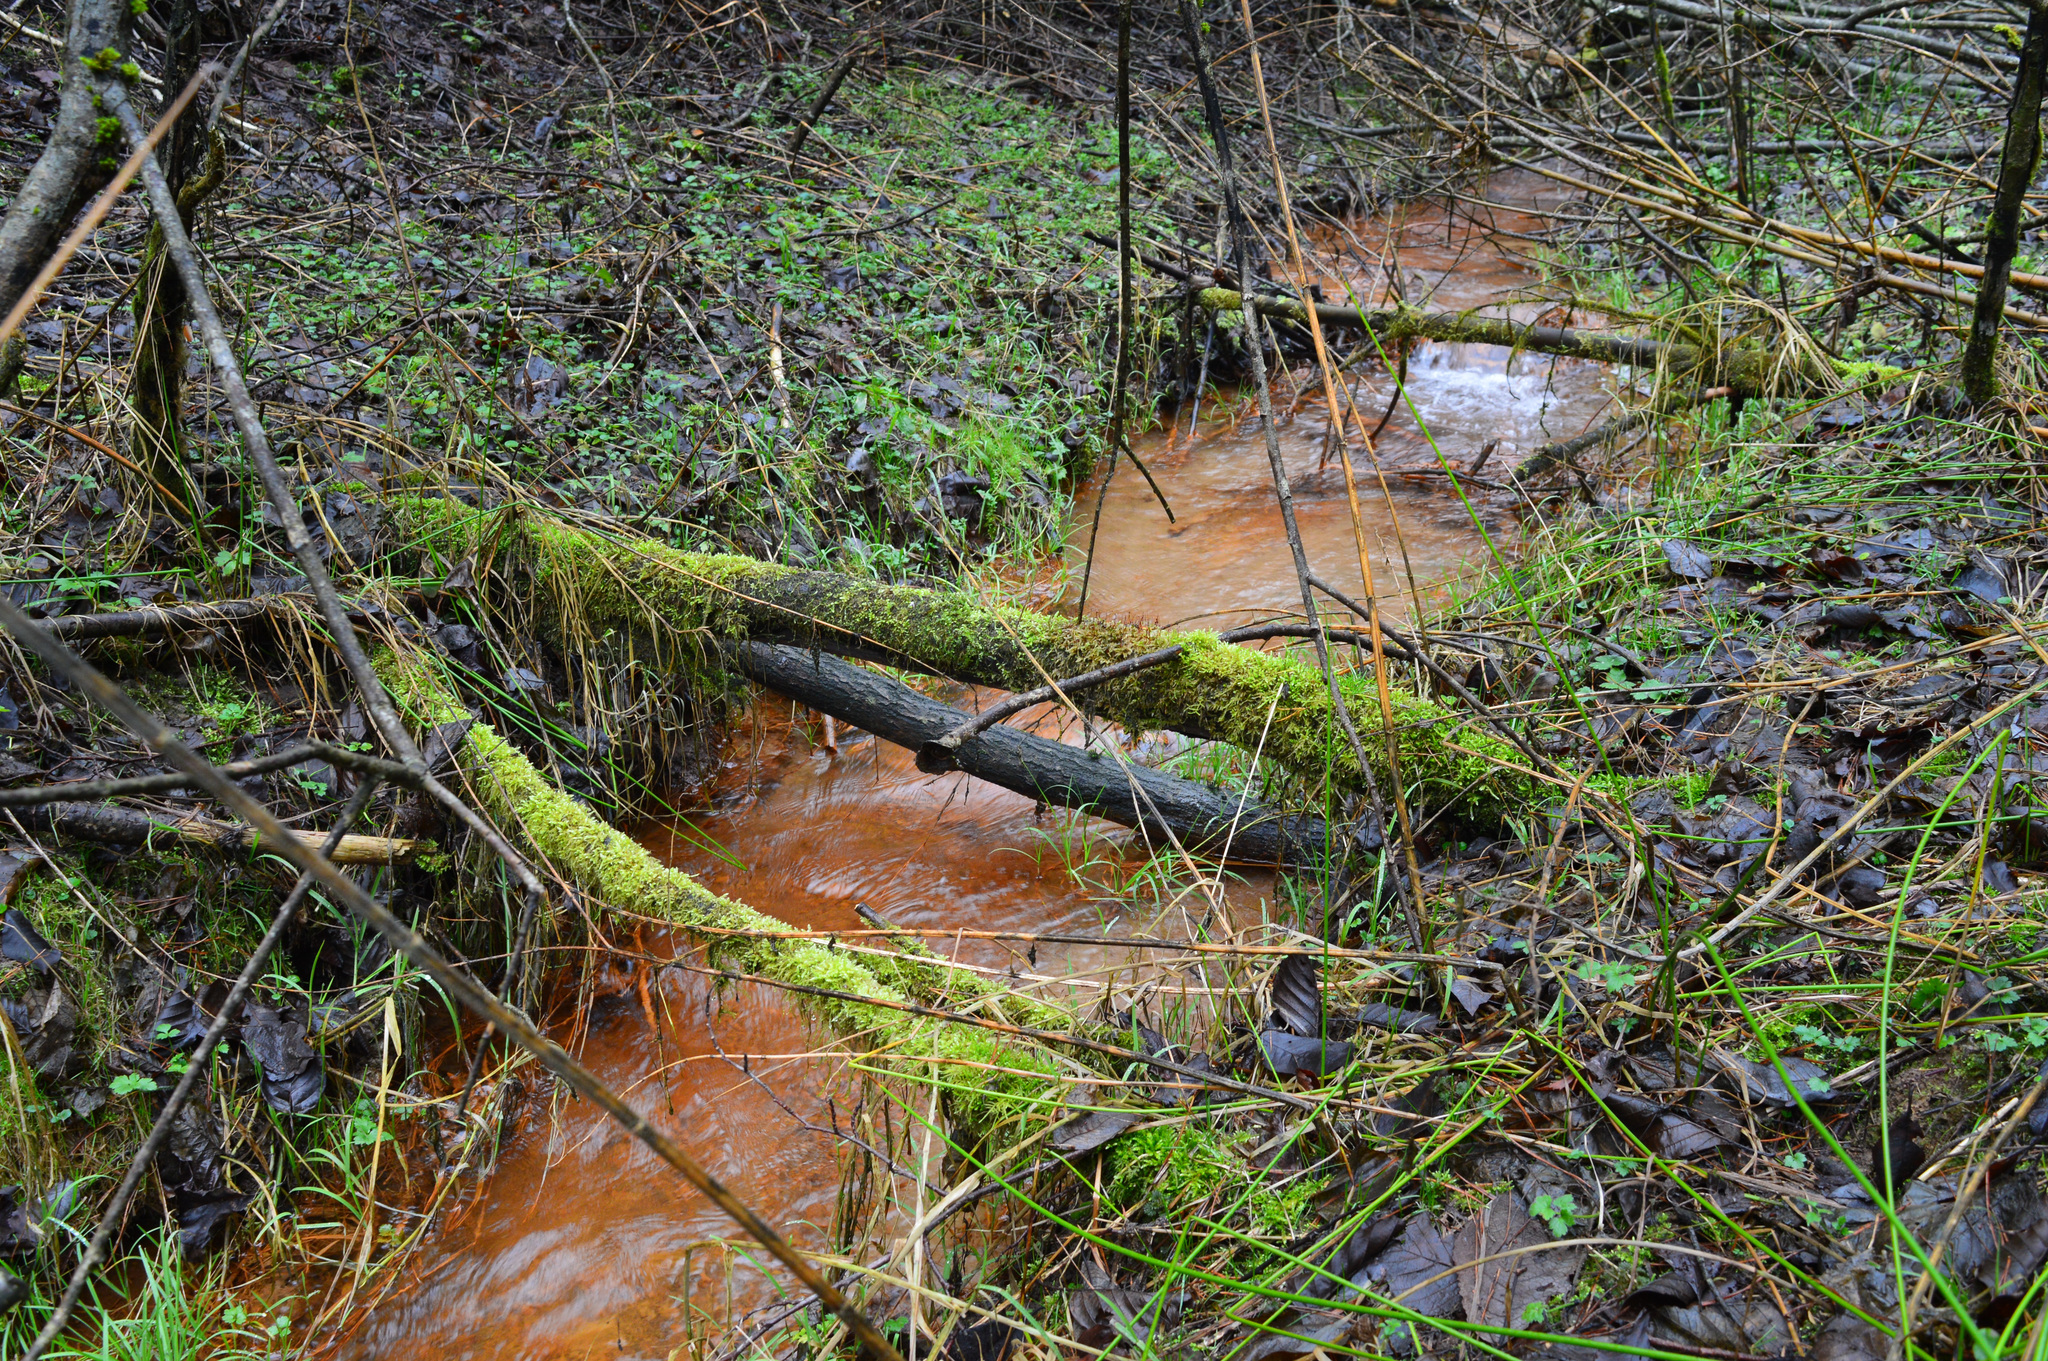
75	161
2015	171
162	311
1038	767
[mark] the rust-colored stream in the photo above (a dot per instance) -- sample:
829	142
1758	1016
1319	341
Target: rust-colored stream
580	1244
1226	562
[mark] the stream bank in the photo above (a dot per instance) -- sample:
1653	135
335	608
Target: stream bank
809	822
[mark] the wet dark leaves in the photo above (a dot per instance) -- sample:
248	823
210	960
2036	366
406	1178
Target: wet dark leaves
1417	1272
2025	1253
199	1179
22	943
521	680
1472	995
1760	1081
1384	1017
1745	1324
1352	1256
1856	614
988	1340
1679	1286
17	1232
179	1023
1297	994
1862	886
1688	561
1102	1312
1836	565
1520	1277
1410	1111
1680	1139
1849	1338
1300	1333
293	1078
1090	1130
961	497
1900	1156
1290	1055
46	1020
445	741
1983	578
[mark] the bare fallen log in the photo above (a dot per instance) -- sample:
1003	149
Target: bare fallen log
112	825
155	621
1052	772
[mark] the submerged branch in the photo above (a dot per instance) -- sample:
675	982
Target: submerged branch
1052	772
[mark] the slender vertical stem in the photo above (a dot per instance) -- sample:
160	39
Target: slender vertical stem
1212	108
2002	240
1417	917
1119	391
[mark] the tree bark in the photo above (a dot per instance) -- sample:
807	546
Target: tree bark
1052	772
113	825
77	158
2015	170
162	311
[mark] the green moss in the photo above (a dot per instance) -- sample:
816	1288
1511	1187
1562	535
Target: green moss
80	936
1686	790
594	585
1172	1165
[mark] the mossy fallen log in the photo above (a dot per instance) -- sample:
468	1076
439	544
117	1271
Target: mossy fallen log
1747	370
589	584
988	1077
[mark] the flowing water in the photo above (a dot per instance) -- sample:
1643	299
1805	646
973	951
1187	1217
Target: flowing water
1225	560
580	1244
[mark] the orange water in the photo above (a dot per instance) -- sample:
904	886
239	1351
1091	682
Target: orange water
1225	560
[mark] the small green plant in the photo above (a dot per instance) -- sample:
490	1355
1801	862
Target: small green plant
1822	1040
1612	975
363	1126
1559	1212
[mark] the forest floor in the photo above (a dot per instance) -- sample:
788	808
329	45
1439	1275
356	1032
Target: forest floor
1691	1025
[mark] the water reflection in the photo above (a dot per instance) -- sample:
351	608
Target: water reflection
1226	560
